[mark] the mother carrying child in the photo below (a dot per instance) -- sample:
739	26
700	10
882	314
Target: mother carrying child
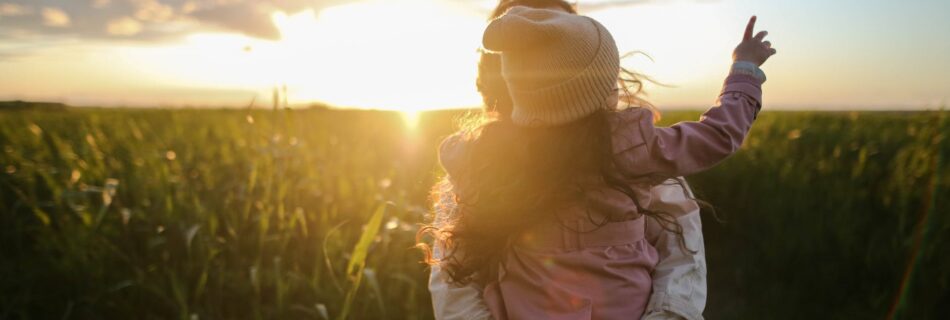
565	206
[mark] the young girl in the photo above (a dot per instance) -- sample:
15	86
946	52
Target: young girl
551	203
679	278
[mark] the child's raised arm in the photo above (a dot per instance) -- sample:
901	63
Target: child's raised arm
643	150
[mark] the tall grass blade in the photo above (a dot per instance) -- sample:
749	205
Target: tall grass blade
354	270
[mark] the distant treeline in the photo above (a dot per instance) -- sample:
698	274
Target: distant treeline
24	105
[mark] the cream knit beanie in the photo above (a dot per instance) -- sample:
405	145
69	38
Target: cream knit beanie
558	67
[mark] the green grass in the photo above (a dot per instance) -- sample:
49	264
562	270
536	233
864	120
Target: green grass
235	214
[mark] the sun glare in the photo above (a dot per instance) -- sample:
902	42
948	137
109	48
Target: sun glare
405	55
408	55
414	55
668	33
411	118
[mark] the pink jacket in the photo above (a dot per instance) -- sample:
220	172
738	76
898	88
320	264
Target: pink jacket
685	148
679	278
646	155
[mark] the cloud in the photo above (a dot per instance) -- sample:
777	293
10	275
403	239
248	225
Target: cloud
607	4
125	26
55	17
100	3
153	11
153	19
252	18
12	10
487	6
166	19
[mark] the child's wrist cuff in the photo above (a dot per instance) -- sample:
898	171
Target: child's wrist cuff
747	68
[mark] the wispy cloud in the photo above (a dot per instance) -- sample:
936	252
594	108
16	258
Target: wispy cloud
487	6
12	10
147	19
55	17
100	3
588	6
124	26
153	11
150	20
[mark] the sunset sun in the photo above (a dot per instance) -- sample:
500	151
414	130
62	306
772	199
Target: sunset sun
403	56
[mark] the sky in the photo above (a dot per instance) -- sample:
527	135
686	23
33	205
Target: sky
414	55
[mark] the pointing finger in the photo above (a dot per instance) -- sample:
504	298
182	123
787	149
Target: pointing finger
748	29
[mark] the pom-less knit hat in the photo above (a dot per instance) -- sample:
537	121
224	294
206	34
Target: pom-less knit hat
559	67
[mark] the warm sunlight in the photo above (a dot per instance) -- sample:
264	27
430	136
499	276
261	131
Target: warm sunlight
660	29
420	55
334	159
411	118
675	61
409	56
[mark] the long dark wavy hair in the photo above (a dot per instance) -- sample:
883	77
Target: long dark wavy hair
513	177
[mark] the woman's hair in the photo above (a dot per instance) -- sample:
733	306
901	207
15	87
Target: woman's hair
510	177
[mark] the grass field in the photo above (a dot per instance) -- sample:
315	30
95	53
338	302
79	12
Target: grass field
236	214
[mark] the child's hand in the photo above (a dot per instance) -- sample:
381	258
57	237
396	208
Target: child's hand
753	49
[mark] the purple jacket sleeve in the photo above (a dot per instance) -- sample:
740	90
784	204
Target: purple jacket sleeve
644	151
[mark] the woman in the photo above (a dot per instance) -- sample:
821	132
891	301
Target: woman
679	284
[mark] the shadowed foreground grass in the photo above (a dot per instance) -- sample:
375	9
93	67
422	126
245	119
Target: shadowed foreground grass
234	214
